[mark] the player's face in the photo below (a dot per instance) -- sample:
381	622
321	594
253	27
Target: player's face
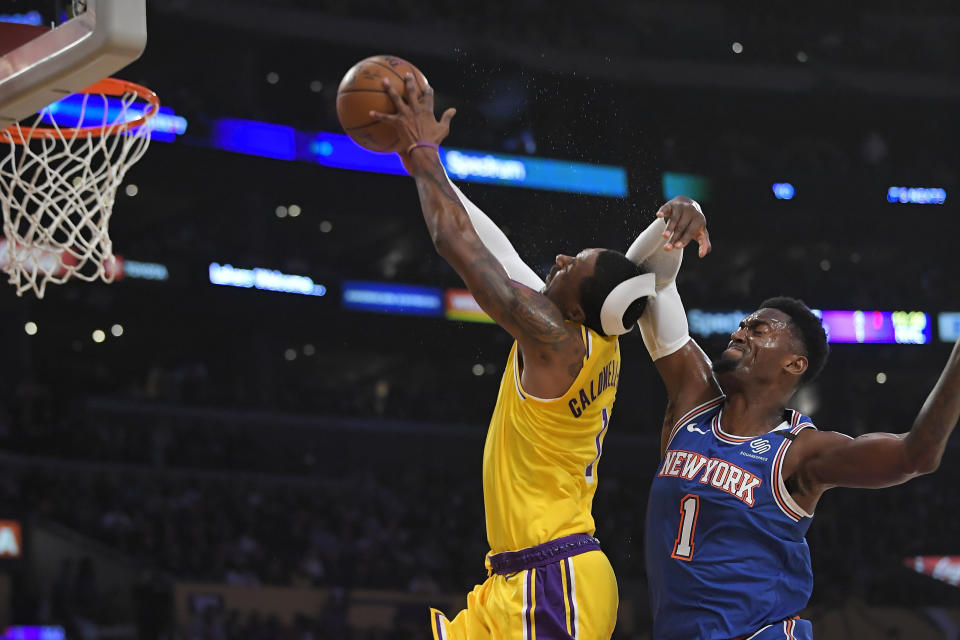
759	348
568	272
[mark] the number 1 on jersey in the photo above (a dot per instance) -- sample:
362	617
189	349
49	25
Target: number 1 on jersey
683	547
590	473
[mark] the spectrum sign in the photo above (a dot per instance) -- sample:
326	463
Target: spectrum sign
339	151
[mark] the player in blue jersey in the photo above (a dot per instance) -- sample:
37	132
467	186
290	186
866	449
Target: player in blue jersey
740	473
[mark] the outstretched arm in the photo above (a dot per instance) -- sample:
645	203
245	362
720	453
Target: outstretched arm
529	316
683	366
883	459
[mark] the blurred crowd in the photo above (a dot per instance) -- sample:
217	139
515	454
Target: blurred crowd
775	32
355	531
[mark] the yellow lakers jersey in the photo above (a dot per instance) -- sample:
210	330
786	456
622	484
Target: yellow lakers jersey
541	455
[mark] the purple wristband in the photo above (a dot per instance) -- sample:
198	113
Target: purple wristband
435	147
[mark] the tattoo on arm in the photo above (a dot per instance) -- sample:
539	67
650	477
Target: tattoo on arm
525	313
530	312
429	185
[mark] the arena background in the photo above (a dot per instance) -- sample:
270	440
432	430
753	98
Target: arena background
244	463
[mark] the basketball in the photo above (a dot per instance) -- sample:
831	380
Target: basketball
361	91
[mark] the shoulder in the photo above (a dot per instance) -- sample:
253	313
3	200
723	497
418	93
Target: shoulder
569	341
700	414
688	376
549	370
809	443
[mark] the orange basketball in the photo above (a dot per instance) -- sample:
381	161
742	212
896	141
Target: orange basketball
361	91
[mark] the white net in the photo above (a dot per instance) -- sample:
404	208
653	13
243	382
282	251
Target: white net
57	189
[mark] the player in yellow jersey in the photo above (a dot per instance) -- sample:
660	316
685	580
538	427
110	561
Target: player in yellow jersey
547	577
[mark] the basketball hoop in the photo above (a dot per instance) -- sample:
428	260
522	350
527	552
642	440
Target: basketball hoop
58	184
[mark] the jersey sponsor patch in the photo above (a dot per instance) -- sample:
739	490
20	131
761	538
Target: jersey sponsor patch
714	472
760	445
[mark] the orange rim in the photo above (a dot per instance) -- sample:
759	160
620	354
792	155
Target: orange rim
108	86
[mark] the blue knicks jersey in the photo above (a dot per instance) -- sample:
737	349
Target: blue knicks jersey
725	548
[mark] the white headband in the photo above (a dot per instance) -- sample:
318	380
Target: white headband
622	296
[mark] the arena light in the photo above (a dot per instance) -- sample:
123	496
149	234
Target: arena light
842	326
685	184
339	151
383	297
34	632
255	138
485	166
461	305
949	325
916	195
783	191
536	173
887	327
71	112
714	323
943	568
143	270
264	279
30	17
11	539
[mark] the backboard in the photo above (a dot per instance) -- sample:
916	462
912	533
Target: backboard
39	65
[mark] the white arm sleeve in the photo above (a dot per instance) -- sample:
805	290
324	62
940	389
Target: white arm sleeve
664	322
649	240
498	244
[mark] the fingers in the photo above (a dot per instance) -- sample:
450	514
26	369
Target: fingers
412	94
398	101
447	117
384	117
685	222
668	214
688	226
703	239
428	99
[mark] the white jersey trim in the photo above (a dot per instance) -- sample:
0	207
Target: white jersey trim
573	600
523	394
723	436
696	412
778	474
588	345
759	631
516	374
